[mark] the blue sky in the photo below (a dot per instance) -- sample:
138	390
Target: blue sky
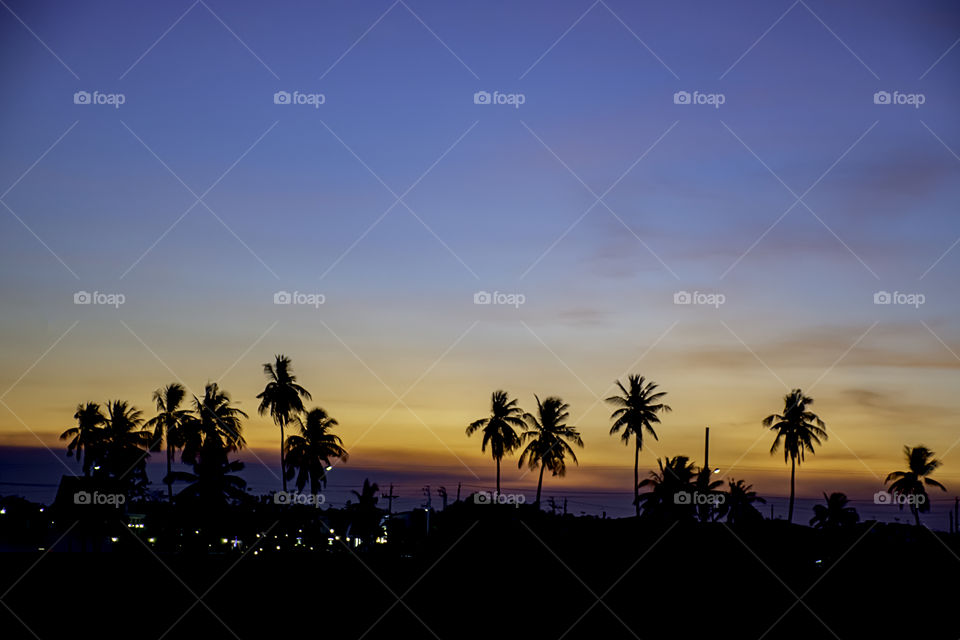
700	203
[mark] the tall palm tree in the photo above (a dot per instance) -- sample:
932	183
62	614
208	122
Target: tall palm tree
168	424
126	444
912	483
738	506
665	499
214	419
797	431
546	437
308	454
282	398
87	436
637	409
835	513
498	428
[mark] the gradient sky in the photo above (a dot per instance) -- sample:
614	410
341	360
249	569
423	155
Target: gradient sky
694	198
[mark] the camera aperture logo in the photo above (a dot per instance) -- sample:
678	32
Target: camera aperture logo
497	297
308	299
696	97
486	497
896	97
297	498
512	99
699	298
95	498
100	298
296	97
898	297
96	97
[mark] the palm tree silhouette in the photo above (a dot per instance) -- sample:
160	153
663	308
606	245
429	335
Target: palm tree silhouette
125	444
282	398
738	506
835	513
215	421
211	485
366	515
87	436
912	483
546	437
498	428
637	411
168	424
703	486
671	489
308	454
797	430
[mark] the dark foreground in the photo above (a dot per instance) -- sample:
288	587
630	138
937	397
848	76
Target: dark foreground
507	573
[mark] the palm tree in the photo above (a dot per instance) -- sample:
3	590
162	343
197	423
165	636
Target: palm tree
498	428
835	513
215	419
637	411
211	485
546	437
703	486
738	506
365	519
86	436
671	489
913	483
125	444
797	430
282	398
168	424
309	453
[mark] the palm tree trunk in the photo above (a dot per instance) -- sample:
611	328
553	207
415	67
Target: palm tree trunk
539	486
169	471
793	480
916	513
636	477
283	470
498	476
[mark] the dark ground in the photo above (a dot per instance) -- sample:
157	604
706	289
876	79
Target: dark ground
511	573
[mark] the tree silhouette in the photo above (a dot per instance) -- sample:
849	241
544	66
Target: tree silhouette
365	518
498	428
282	398
704	486
738	507
211	485
87	436
638	406
546	437
797	431
168	424
835	513
308	454
215	420
912	484
671	490
125	445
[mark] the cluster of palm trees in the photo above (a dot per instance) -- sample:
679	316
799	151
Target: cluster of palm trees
114	444
639	406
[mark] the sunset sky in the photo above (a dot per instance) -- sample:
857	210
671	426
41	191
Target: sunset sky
597	199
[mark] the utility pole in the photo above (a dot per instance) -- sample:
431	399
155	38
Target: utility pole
706	448
458	491
390	498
